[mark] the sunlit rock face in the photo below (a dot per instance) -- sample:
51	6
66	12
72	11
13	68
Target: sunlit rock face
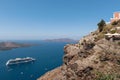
93	58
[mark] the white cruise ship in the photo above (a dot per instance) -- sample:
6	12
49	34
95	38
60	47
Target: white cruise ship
19	60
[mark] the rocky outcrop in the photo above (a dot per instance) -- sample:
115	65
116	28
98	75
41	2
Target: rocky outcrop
54	74
90	59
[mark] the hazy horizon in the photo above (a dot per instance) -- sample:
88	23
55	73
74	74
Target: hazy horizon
7	40
51	19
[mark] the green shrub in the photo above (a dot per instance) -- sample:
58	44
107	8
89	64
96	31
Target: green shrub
118	62
101	76
113	31
106	77
101	25
118	43
114	23
100	36
109	76
107	28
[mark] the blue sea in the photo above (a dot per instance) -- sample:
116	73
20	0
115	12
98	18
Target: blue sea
48	56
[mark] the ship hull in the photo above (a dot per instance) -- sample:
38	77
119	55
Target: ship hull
14	62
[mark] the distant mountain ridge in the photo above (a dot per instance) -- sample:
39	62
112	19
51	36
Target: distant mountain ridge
61	40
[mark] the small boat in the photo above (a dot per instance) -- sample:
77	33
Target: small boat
19	60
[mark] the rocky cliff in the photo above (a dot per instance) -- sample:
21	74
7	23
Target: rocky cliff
93	58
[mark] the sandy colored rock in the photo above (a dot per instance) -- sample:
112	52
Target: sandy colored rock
90	59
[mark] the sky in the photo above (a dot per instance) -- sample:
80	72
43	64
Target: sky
48	19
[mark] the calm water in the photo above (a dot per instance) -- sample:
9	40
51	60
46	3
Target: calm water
48	56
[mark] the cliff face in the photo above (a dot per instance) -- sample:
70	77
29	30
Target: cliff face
93	58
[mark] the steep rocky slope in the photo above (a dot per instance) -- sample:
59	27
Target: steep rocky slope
93	58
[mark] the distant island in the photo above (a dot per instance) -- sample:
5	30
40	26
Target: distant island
12	45
61	40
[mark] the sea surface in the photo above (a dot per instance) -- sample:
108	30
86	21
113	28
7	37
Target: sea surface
48	56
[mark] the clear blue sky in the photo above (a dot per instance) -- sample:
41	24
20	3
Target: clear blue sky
42	19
